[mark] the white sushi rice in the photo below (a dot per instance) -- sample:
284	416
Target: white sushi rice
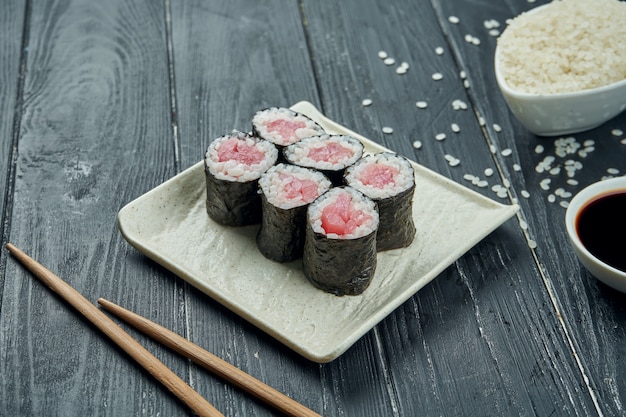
358	201
567	46
298	153
272	184
232	170
403	180
263	118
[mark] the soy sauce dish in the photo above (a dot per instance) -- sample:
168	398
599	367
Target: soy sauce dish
596	226
561	67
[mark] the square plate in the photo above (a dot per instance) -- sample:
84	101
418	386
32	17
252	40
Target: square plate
170	225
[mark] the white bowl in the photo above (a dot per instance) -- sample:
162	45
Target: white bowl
611	276
565	113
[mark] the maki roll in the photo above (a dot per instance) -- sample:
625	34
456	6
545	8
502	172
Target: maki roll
330	154
232	165
388	179
286	192
340	246
283	126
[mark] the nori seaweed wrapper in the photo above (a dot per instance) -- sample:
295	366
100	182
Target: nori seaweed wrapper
339	266
286	192
342	266
281	237
232	203
396	228
232	197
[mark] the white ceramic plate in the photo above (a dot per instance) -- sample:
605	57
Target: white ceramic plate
169	224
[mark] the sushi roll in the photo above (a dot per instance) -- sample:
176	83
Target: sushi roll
340	245
330	154
286	192
232	165
283	126
388	179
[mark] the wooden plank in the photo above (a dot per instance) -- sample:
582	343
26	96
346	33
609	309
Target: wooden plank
233	58
483	338
589	310
95	133
11	31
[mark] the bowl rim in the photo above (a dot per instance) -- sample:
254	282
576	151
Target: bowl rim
581	200
500	79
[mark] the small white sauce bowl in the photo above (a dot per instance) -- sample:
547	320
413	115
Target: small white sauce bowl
564	113
609	275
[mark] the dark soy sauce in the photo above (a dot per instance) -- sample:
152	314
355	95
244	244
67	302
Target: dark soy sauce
601	227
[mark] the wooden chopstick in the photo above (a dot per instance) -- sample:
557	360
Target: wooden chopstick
211	362
162	373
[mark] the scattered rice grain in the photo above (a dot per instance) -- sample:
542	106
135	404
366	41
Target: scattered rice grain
452	160
439	50
617	132
491	24
437	76
497	127
389	61
472	39
455	128
387	130
417	144
421	104
366	102
507	152
453	19
458	104
440	136
382	54
545	184
525	194
488	172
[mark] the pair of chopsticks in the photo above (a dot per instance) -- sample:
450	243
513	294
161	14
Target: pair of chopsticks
156	368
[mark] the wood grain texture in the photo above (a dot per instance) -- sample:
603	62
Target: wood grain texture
589	310
95	133
121	96
115	333
233	58
11	33
513	346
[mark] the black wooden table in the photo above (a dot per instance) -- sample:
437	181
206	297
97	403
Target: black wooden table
101	101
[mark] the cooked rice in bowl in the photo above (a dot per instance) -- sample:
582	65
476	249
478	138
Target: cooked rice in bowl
565	46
